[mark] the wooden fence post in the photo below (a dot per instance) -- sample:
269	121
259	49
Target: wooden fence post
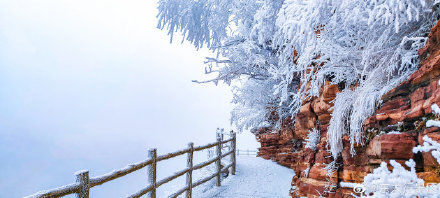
152	154
190	167
233	157
219	158
83	179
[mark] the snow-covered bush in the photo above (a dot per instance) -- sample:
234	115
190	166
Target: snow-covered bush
313	139
399	182
385	183
280	52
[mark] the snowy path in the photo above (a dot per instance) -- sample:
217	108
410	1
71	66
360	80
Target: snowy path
255	178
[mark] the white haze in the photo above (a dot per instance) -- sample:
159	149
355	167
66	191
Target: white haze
92	85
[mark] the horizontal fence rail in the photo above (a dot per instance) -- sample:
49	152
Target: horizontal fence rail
246	152
83	183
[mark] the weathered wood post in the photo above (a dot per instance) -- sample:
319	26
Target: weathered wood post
233	157
190	170
82	177
152	154
219	158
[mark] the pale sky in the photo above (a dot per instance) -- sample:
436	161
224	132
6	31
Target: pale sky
92	84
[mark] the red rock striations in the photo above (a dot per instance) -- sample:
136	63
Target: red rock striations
404	109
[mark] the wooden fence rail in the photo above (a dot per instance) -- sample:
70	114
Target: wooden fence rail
246	152
83	183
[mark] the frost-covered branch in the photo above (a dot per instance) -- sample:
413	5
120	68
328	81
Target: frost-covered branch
313	139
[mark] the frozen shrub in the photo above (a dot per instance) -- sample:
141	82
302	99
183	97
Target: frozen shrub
313	139
399	182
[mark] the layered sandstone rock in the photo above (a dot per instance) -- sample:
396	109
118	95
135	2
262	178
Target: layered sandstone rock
397	126
286	146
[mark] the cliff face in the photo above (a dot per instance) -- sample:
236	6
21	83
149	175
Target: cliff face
404	109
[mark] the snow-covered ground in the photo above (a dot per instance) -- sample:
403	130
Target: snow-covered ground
255	177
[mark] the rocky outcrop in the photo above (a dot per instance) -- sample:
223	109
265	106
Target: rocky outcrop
286	146
397	126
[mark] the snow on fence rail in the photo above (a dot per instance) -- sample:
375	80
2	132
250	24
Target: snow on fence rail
84	183
246	152
242	152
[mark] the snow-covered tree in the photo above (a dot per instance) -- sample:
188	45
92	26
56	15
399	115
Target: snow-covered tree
280	52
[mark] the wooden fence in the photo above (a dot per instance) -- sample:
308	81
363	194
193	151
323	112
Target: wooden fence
83	183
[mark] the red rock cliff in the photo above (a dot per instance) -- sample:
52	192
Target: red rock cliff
404	109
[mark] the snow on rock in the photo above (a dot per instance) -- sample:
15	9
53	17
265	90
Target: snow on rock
435	109
433	123
429	144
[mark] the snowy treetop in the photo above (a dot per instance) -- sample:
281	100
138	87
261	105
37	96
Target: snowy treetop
273	49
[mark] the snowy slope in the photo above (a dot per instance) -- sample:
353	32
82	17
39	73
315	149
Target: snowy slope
255	177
